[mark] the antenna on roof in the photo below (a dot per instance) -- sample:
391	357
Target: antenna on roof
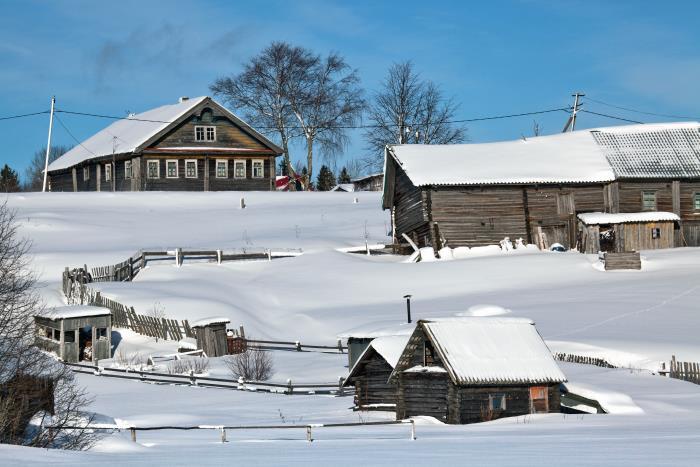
571	122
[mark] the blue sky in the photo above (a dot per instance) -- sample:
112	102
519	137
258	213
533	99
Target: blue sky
493	58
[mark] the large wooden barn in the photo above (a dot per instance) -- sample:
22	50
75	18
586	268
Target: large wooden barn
534	188
193	145
467	370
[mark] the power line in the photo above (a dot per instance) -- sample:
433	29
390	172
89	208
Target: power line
641	111
610	116
72	136
466	120
24	115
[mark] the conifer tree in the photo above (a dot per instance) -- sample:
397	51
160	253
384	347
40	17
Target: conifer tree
344	176
9	181
325	180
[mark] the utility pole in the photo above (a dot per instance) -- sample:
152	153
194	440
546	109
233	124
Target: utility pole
48	145
571	122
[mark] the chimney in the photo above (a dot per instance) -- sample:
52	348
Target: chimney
408	307
183	99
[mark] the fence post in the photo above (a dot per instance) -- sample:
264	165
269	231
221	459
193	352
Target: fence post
218	256
223	434
241	331
133	434
672	370
297	345
341	381
193	380
178	257
241	383
308	434
413	429
340	345
290	387
269	254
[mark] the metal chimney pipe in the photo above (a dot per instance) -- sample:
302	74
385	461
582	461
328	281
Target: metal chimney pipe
408	306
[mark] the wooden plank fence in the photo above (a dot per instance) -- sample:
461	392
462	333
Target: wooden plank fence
129	268
583	359
686	371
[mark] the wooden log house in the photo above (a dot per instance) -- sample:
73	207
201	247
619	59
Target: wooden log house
370	373
467	370
534	188
193	145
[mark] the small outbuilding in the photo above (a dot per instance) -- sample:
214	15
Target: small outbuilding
358	339
370	373
467	370
211	335
625	232
75	333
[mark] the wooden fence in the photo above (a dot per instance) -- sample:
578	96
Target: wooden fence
124	316
129	268
686	371
585	360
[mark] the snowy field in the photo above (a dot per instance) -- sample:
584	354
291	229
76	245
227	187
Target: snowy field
633	319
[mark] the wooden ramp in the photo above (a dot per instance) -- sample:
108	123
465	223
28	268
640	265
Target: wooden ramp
627	260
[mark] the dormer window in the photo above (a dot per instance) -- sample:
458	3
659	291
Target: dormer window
204	133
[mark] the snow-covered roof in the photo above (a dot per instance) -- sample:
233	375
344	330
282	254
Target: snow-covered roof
128	135
74	311
594	218
367	177
349	187
586	156
486	350
375	330
209	321
389	347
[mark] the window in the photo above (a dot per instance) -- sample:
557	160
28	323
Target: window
205	133
258	169
56	335
127	170
101	333
696	201
497	401
239	169
539	400
428	354
68	336
221	168
191	168
153	169
108	172
655	233
171	168
86	173
648	200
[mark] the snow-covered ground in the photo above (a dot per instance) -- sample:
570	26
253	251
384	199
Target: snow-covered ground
630	318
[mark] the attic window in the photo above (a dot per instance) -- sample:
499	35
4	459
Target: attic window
648	200
428	354
204	133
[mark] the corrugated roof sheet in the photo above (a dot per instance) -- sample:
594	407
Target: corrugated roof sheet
586	156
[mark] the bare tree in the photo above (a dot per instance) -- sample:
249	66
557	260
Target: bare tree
409	110
260	91
254	364
39	398
34	175
326	100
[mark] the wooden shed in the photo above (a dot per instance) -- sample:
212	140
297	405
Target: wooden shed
619	233
358	339
75	333
211	335
370	373
467	370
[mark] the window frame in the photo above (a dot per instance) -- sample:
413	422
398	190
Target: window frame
242	162
128	170
205	133
196	172
262	168
148	168
86	173
108	172
644	194
497	396
696	201
177	168
216	168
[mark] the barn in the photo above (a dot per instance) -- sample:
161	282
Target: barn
467	370
192	145
535	188
370	373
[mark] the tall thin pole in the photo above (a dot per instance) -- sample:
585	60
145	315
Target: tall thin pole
575	110
408	307
48	145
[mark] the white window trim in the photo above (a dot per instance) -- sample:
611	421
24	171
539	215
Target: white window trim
196	173
216	167
127	174
262	172
108	172
177	168
239	162
86	173
148	169
204	133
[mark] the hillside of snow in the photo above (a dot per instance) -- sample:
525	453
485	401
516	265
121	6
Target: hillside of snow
630	318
